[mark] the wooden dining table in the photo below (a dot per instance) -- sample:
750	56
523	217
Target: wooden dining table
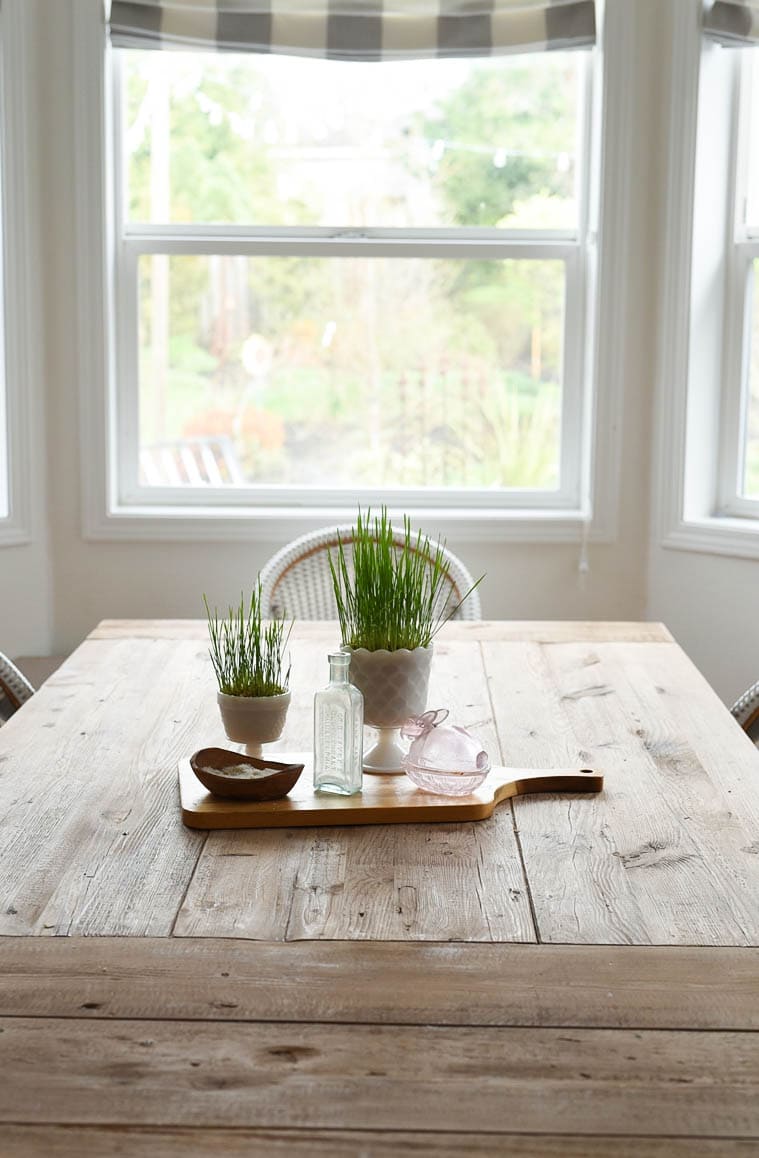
576	976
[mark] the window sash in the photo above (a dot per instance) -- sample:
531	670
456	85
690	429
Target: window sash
729	499
735	399
130	492
125	228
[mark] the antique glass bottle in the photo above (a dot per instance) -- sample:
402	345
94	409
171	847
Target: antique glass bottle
338	731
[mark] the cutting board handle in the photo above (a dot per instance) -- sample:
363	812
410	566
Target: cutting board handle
521	781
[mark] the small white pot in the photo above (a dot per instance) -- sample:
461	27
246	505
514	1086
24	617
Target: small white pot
253	720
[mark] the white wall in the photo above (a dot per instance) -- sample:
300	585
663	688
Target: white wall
709	602
25	600
93	580
25	571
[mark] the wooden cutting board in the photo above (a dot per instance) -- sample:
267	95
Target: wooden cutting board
383	800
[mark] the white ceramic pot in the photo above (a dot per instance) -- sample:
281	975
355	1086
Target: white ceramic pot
393	683
394	686
253	720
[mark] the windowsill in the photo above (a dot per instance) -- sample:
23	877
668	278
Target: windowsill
716	535
230	524
13	533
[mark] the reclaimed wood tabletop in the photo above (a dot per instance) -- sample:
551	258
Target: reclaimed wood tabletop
576	975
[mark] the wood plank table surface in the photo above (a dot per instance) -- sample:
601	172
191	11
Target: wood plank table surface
577	975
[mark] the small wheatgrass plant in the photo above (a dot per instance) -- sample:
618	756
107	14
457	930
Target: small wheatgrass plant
394	596
248	654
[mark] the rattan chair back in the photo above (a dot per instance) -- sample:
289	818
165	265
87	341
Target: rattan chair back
15	688
746	712
296	582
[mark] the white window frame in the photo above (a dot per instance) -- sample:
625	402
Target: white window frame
700	376
20	304
133	240
743	249
114	507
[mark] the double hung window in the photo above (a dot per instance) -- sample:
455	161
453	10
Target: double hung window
352	264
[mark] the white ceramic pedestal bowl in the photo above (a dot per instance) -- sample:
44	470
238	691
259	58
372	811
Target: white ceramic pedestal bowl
394	686
253	720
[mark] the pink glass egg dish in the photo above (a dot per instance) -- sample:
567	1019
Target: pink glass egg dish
443	758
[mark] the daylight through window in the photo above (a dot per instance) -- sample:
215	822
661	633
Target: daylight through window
357	277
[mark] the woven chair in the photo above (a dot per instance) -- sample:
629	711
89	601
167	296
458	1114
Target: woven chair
296	582
746	712
15	688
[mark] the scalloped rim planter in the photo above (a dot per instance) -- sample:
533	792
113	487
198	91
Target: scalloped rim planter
394	686
253	720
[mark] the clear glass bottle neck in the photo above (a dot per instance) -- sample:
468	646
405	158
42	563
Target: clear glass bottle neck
339	666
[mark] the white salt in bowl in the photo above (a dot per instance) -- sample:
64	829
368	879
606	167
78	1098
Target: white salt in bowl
240	777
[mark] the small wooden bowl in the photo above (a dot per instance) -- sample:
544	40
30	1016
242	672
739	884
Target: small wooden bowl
208	762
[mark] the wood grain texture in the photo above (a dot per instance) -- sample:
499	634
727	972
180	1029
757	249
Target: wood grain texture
155	1045
267	1075
395	883
666	857
126	1142
90	837
91	840
455	881
382	800
616	987
548	631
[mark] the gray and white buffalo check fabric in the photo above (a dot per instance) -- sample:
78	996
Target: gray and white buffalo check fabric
355	29
733	22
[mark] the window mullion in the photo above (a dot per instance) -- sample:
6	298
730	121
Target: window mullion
261	244
219	233
572	418
127	399
735	395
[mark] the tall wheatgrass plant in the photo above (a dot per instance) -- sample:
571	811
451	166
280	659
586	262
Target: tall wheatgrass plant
248	654
395	595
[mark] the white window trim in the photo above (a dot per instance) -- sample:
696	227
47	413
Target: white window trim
695	415
105	518
260	243
742	250
736	385
20	304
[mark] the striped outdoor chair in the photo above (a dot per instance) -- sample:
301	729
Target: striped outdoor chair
296	582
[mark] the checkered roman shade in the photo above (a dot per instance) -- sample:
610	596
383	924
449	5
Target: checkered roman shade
356	29
733	22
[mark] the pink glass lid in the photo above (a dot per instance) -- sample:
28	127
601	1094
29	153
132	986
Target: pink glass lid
440	747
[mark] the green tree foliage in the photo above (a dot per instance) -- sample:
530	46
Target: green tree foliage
219	171
412	371
503	138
